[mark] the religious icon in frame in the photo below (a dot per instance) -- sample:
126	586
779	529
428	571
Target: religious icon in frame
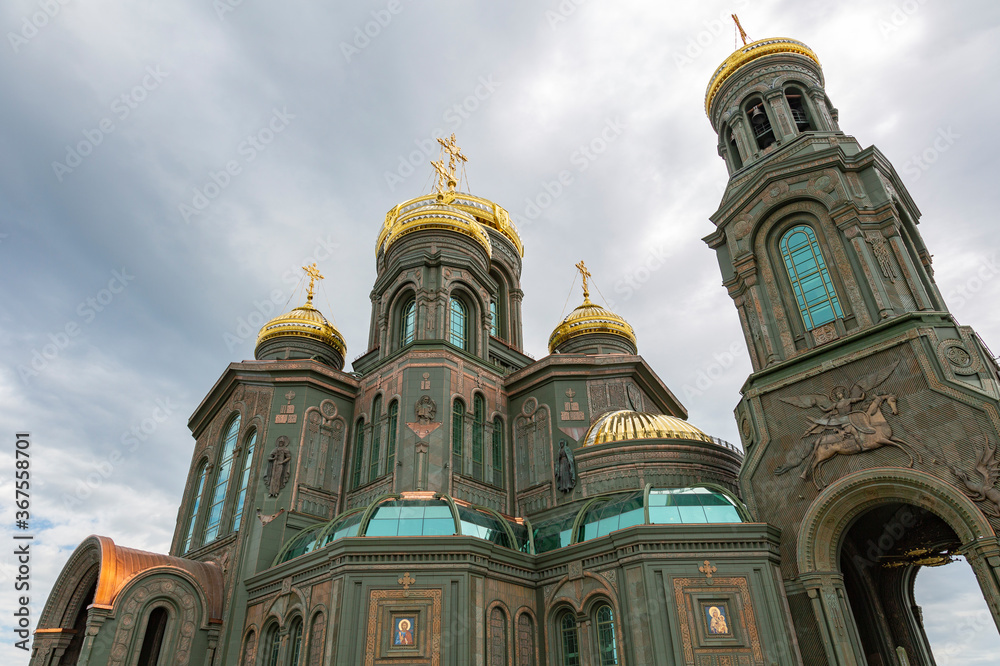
717	619
404	630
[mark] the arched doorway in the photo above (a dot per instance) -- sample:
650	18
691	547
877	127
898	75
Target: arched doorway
860	546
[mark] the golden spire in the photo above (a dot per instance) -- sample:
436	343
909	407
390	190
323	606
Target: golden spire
586	274
447	174
314	275
743	34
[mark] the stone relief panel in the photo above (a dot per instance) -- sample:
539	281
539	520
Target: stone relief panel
612	394
533	444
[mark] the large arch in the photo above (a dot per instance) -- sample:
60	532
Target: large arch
825	526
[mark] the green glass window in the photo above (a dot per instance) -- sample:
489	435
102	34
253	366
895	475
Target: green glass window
412	518
691	505
296	643
408	329
570	641
193	517
478	424
494	319
222	481
390	441
273	645
811	283
556	531
359	452
483	525
457	324
241	496
498	452
304	543
457	433
607	648
346	526
376	438
605	517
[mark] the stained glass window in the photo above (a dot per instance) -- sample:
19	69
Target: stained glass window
390	442
359	452
244	480
193	517
408	329
478	424
498	452
458	327
222	481
811	283
570	641
607	648
376	438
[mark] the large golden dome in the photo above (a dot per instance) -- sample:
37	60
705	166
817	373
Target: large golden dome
625	424
304	321
589	318
749	53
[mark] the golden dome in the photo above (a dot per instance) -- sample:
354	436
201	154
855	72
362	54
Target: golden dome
626	424
457	211
304	321
749	53
590	318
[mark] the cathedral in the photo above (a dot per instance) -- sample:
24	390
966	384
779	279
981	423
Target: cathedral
453	501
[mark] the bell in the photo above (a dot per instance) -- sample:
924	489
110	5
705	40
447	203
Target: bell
757	113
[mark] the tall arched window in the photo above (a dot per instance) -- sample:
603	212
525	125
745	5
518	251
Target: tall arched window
222	481
241	496
811	283
295	643
272	646
494	319
193	516
359	452
457	435
760	123
607	646
408	324
478	424
390	442
376	438
458	329
152	641
498	637
498	452
250	650
569	640
316	636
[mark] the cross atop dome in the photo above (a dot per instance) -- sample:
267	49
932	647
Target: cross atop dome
447	174
314	275
585	274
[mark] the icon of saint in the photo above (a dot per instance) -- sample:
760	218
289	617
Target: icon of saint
718	624
404	634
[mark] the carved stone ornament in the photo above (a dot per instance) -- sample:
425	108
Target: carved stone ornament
565	472
981	486
279	468
882	253
848	427
425	409
634	397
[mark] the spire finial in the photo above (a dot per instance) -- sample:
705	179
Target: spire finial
743	34
314	275
447	174
586	274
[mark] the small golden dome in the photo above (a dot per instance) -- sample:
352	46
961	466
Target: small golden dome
304	321
458	211
626	424
749	53
589	318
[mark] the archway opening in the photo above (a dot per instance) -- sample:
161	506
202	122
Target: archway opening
880	556
958	621
80	626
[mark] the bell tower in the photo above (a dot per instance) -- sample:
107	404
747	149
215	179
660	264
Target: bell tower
869	407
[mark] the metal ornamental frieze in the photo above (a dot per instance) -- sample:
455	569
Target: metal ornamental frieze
853	422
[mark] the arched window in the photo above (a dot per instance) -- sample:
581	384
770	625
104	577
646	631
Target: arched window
525	640
359	451
376	438
458	329
390	442
498	637
295	643
249	650
241	496
728	138
222	481
316	635
457	434
408	324
193	516
498	452
152	641
272	646
797	105
760	124
811	283
494	319
607	646
569	640
478	424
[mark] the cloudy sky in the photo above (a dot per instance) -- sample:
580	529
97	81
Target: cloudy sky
164	166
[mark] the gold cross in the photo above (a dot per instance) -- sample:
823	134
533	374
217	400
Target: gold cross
708	570
447	175
314	275
586	274
406	581
444	176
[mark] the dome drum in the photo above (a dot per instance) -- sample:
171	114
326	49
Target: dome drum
592	329
303	333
